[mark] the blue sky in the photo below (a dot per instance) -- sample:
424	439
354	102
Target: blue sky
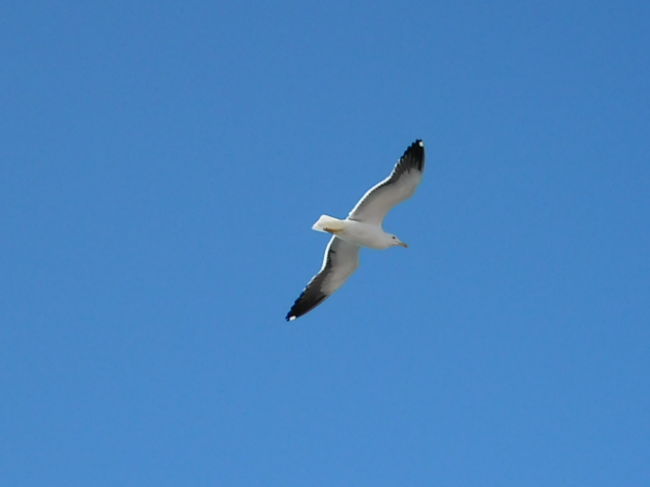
162	164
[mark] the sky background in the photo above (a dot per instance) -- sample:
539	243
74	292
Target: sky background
161	164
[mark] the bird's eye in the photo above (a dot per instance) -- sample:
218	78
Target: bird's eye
393	237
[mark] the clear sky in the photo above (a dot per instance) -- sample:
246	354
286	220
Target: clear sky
162	164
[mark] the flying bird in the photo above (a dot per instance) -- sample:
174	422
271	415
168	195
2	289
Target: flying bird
361	228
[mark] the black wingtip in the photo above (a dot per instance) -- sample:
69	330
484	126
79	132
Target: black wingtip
415	151
416	148
302	306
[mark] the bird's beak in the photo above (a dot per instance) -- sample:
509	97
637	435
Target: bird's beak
402	244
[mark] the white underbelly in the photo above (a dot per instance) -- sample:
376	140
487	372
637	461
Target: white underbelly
363	234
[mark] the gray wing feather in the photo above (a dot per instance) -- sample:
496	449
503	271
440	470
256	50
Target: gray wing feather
397	187
340	261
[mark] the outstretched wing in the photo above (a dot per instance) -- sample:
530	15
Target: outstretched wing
398	186
339	263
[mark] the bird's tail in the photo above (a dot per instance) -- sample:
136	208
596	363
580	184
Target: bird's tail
328	224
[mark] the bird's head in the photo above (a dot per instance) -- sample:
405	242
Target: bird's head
396	241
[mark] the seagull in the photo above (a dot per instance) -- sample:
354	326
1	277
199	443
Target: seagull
361	228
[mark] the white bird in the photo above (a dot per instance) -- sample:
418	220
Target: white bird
361	228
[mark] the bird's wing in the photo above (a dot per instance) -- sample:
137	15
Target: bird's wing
398	186
339	263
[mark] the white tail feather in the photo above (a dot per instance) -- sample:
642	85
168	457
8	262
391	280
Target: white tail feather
328	222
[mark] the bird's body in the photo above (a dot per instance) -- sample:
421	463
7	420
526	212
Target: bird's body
357	233
362	228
